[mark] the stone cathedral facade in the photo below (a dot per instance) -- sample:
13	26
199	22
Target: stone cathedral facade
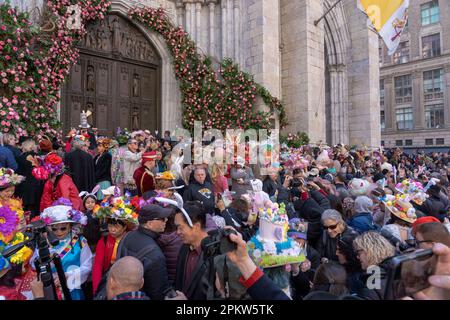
327	75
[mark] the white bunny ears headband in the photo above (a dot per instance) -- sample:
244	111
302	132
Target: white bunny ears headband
93	193
179	204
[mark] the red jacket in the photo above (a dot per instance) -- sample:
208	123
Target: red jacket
144	179
102	260
64	189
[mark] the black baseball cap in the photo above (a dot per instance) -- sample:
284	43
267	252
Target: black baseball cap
153	212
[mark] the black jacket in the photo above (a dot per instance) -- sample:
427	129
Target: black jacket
433	206
80	166
156	280
322	200
201	192
374	294
327	245
310	211
265	289
30	190
102	166
199	284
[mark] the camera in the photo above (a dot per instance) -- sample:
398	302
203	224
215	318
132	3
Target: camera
218	242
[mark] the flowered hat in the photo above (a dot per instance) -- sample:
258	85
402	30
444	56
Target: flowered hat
105	142
8	178
271	246
166	175
118	208
414	190
298	228
9	219
401	208
63	214
44	167
358	187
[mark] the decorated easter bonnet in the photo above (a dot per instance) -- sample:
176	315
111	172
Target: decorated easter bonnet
62	212
401	208
44	167
271	246
83	120
414	190
117	209
8	178
358	187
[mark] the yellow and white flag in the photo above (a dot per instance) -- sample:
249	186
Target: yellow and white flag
389	18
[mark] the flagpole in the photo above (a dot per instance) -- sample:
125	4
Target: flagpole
328	11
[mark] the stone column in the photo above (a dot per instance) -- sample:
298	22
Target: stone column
230	28
212	38
417	102
303	67
389	104
237	31
364	79
193	23
338	98
187	14
224	32
198	24
180	14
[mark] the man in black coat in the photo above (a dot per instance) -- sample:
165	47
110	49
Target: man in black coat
142	245
201	189
193	268
434	206
80	165
308	209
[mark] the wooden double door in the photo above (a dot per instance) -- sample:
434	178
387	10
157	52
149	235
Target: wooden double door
116	78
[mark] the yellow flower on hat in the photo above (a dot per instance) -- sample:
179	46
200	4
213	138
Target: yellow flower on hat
128	211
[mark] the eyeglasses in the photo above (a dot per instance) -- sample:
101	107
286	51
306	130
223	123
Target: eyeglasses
160	219
331	227
418	242
62	229
134	142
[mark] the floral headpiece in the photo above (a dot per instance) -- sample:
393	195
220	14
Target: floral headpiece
9	220
62	212
44	167
118	208
8	178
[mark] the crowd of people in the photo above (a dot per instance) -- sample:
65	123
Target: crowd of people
132	218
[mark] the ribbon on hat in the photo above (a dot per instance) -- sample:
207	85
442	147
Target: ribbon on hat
84	194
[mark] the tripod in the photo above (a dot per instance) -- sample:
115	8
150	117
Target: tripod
43	262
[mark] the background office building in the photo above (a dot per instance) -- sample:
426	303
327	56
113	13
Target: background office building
415	81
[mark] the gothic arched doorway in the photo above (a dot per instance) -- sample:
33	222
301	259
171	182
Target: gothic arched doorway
117	78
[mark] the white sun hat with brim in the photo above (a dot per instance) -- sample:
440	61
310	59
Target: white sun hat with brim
63	214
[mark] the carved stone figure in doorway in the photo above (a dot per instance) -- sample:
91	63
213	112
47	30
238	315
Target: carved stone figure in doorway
115	30
135	118
136	85
90	81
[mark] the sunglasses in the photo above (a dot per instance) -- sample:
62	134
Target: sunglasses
160	219
62	229
331	227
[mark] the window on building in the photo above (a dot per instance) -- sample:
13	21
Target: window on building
398	143
433	84
382	92
403	89
408	142
431	46
428	142
434	116
440	141
380	55
404	118
402	53
430	12
382	143
382	120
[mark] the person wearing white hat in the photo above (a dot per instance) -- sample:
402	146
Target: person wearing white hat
73	249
